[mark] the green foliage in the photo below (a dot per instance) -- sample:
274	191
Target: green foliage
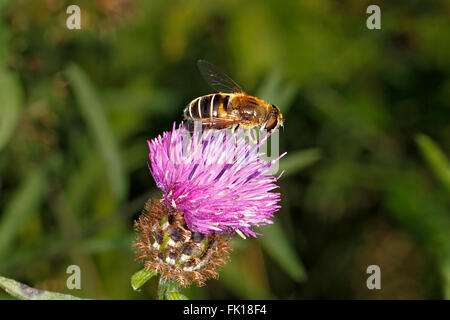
298	160
11	96
435	158
10	102
24	292
278	247
366	175
141	277
169	290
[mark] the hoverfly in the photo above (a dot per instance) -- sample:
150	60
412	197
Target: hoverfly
231	107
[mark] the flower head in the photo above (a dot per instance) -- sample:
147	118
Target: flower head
216	179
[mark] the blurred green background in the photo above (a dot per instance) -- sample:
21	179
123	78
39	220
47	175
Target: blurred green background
367	133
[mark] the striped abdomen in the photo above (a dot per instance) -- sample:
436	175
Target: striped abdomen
210	106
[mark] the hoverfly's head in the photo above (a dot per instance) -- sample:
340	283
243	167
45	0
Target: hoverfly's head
274	118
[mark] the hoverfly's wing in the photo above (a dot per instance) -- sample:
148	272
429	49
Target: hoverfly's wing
217	79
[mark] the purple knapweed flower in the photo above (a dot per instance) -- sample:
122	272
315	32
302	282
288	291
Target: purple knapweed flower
216	179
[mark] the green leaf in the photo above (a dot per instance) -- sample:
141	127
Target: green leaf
22	204
24	292
92	112
298	160
273	90
81	183
165	286
436	159
141	277
237	280
278	247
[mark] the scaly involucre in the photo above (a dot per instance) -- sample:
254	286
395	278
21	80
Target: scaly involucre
218	180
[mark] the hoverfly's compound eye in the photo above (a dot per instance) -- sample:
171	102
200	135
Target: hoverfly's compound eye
272	120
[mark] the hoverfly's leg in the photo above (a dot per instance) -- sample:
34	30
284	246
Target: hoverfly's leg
235	132
261	134
234	129
209	130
